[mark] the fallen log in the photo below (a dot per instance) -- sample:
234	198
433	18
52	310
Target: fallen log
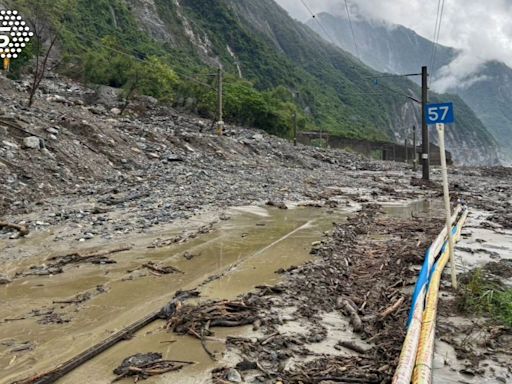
355	320
22	229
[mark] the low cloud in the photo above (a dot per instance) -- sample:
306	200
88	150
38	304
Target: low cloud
481	30
460	73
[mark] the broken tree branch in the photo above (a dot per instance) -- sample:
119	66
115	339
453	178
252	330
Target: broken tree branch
22	229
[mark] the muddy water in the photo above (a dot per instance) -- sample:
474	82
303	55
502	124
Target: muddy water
243	252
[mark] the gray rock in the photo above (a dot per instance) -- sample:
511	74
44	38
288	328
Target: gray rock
107	96
115	111
32	142
4	279
233	376
98	110
57	99
9	145
53	131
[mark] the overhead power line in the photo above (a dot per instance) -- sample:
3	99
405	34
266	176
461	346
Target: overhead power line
437	32
327	34
392	75
356	48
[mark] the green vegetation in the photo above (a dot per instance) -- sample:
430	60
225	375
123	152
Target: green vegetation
286	67
484	297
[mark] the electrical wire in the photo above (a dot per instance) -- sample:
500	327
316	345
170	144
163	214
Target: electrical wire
327	34
356	47
437	33
392	75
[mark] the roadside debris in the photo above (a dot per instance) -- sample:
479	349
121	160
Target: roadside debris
58	262
22	229
361	269
143	366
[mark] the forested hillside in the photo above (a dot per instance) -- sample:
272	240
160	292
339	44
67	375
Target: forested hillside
274	66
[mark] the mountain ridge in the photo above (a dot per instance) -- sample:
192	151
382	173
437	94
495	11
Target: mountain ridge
398	49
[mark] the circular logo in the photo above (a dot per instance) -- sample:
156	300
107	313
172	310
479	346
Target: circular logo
15	34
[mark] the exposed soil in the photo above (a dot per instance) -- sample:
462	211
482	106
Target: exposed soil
98	180
361	271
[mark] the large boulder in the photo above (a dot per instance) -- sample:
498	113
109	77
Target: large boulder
107	96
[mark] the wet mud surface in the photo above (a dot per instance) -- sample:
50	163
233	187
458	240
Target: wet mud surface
108	244
58	315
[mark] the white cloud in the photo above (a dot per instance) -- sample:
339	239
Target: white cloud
482	30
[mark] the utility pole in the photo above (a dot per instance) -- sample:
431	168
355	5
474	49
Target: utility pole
220	103
295	129
425	152
406	149
415	155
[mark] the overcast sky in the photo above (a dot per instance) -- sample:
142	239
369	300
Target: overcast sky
483	29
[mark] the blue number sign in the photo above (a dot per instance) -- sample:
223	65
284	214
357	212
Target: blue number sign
440	113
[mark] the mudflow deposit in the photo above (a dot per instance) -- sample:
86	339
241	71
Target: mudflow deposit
261	262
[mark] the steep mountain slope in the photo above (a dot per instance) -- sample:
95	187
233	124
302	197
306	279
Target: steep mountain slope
491	99
383	46
260	42
397	49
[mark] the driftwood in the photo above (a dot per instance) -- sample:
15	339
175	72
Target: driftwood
161	270
355	320
142	366
22	229
76	257
388	311
197	321
352	346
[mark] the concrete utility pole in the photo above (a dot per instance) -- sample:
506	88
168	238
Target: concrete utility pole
406	149
220	103
415	155
425	152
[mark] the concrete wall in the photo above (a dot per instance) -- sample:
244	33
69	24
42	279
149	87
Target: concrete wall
375	149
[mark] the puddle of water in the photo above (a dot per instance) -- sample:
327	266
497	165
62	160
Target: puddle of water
245	250
418	208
